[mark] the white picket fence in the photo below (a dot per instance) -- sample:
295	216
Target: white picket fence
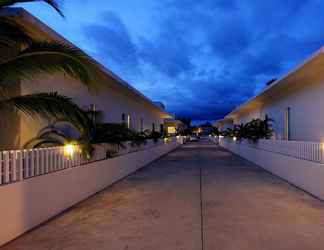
17	165
310	151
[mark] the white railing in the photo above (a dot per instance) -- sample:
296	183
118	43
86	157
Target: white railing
17	165
310	151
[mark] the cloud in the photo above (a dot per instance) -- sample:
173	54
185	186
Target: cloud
203	58
169	52
112	42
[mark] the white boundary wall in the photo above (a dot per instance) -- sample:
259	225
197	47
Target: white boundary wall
28	203
307	175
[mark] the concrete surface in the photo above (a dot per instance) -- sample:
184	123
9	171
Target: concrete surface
159	207
307	175
28	203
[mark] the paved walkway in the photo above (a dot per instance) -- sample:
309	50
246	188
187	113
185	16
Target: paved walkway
197	197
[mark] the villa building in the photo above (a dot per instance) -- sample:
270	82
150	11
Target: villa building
174	126
294	103
119	102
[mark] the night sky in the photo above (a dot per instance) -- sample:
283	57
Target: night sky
200	58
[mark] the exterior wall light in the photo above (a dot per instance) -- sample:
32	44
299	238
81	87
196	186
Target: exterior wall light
234	138
70	150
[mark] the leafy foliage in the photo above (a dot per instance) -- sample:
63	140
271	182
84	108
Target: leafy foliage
12	35
49	58
86	131
253	130
53	3
215	132
153	135
259	129
29	58
46	105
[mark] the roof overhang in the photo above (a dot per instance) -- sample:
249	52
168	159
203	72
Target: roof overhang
173	122
222	121
310	70
39	30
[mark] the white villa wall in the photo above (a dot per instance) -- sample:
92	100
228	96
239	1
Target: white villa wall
112	102
307	175
306	103
33	201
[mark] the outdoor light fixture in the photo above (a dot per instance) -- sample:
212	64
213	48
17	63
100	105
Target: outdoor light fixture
70	149
234	138
221	136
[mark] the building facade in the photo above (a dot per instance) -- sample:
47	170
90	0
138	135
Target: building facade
295	104
119	102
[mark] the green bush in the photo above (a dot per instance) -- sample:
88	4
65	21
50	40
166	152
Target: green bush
253	130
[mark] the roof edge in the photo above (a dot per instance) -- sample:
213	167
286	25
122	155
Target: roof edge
23	13
277	82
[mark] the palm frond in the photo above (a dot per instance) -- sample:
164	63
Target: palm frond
45	105
53	3
55	134
42	142
50	136
49	58
12	34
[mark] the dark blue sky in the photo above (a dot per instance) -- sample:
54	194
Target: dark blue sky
201	58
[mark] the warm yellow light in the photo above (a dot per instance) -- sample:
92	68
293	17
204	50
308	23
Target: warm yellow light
70	149
172	130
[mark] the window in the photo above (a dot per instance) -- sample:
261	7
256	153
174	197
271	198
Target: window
123	118
287	124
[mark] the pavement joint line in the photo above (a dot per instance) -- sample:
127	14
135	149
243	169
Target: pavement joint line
201	206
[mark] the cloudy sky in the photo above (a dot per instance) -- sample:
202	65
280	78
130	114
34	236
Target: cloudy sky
201	58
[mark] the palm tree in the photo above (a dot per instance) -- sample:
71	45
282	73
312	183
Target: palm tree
31	57
52	3
86	133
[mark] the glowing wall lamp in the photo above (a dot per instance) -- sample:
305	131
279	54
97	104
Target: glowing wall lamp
234	138
70	150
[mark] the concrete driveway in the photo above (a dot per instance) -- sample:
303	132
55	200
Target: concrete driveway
197	197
